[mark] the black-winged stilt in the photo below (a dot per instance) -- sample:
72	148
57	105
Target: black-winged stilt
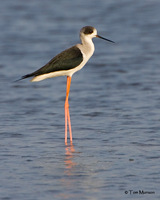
66	64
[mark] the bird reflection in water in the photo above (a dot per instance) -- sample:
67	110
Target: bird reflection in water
69	163
71	171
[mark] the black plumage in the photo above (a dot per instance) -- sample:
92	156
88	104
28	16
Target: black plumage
66	60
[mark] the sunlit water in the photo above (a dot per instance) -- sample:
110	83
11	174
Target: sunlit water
114	102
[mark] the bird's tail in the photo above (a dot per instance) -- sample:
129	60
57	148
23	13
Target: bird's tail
25	76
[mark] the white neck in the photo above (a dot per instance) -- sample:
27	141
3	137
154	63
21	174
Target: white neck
87	46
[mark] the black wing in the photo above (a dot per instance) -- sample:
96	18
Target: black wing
66	60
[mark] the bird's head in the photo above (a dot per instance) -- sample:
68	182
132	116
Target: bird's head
91	32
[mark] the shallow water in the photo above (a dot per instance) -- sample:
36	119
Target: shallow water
114	102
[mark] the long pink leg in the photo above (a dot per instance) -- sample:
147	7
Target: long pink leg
69	124
66	108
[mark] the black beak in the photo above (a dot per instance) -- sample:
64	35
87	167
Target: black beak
104	38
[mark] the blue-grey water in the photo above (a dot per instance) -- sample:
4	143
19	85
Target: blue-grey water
114	102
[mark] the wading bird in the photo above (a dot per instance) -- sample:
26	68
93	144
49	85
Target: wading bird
67	63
